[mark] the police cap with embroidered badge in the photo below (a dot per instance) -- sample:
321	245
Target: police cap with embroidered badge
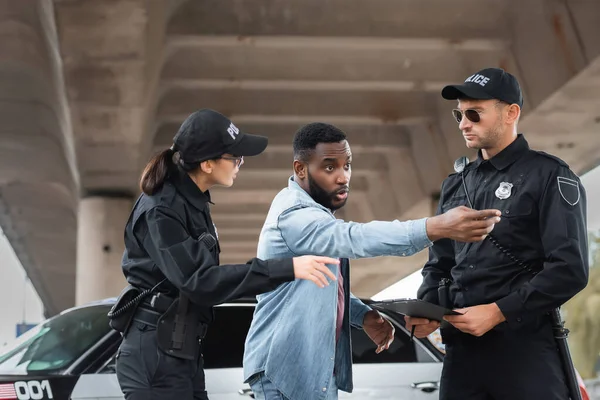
487	84
207	134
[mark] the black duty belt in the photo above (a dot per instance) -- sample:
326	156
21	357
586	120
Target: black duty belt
145	315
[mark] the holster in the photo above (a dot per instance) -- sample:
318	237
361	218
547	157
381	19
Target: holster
121	313
179	330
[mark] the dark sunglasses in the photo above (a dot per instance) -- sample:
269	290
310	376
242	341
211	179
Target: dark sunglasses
238	161
472	115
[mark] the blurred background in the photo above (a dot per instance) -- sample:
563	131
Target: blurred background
89	90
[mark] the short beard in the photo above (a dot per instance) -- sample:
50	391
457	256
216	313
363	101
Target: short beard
492	136
321	196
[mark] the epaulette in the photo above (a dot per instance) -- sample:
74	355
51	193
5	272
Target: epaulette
560	161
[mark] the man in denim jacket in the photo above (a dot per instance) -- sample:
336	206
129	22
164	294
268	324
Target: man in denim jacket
298	346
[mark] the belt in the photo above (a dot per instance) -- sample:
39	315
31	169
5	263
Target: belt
158	302
150	318
146	316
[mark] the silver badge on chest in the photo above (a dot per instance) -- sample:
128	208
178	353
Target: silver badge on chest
504	190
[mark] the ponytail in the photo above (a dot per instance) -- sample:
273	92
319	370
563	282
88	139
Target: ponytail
156	172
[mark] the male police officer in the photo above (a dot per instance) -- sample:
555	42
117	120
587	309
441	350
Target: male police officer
502	346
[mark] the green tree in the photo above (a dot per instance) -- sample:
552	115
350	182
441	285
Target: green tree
583	319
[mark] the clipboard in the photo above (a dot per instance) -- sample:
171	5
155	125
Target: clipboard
414	308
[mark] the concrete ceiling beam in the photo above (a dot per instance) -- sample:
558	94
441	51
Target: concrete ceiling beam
281	133
373	18
366	107
337	59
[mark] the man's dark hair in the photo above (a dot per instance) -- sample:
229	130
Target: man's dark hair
309	136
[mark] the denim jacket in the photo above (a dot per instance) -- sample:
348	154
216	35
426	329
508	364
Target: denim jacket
292	336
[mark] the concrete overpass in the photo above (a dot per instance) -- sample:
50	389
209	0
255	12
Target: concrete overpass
89	89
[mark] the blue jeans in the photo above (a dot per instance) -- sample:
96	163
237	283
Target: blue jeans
264	389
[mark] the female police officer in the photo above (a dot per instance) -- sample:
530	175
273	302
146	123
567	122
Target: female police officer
171	247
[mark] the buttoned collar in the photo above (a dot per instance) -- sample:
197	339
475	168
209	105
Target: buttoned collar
506	157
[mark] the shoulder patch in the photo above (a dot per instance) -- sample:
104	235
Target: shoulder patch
560	161
569	190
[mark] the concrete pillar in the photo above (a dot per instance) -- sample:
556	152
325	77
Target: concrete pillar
100	245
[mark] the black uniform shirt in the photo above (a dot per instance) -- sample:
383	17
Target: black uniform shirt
161	241
543	223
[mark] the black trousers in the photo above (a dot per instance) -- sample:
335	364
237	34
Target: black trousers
503	364
147	373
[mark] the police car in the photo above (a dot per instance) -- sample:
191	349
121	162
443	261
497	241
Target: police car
72	356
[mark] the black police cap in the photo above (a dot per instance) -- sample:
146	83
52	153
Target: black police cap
489	83
207	134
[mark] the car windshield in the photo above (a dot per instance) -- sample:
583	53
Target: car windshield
55	344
